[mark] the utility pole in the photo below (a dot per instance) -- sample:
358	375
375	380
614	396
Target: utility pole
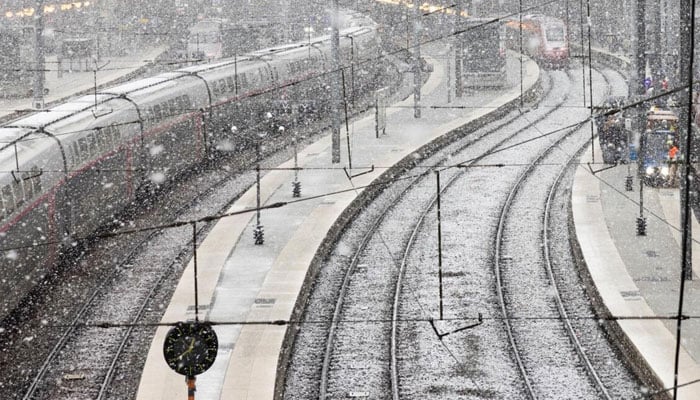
640	59
686	145
687	29
417	78
659	49
39	54
335	84
459	49
640	89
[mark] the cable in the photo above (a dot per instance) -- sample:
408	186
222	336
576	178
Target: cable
379	321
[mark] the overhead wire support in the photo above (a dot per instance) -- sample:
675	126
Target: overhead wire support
590	76
194	256
687	29
417	76
439	230
335	84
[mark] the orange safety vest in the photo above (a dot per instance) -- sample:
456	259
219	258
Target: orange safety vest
672	152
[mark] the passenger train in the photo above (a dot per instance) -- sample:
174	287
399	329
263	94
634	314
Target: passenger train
71	169
545	39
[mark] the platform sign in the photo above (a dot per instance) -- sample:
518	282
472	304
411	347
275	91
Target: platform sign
380	104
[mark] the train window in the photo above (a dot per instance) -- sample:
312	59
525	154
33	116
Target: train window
157	112
92	144
18	192
165	109
231	84
101	141
83	149
217	87
8	200
183	104
36	179
243	80
116	135
28	187
74	154
173	108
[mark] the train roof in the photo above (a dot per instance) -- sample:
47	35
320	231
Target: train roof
144	83
57	113
543	19
32	145
9	135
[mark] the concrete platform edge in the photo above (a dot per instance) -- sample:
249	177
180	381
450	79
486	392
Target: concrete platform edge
645	345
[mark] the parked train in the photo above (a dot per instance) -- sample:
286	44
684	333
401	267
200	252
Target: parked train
70	170
658	160
544	38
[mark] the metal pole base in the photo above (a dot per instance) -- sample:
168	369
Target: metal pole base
641	226
296	189
259	235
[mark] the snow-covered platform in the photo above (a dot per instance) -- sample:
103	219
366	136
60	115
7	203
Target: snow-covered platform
639	276
241	281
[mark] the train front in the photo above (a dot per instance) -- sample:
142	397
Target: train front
555	46
658	157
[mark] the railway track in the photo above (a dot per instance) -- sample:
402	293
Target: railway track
124	279
372	348
377	236
518	286
84	357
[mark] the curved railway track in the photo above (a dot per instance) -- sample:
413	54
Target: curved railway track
122	279
368	350
507	290
124	294
357	257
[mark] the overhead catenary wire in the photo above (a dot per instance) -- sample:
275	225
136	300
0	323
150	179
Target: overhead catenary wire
378	321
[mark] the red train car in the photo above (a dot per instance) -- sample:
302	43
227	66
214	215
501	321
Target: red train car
543	38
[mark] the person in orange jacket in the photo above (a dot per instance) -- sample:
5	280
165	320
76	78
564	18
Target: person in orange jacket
672	163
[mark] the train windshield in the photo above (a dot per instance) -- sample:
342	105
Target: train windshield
555	34
657	143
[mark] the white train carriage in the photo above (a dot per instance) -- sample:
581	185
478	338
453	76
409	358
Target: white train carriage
70	170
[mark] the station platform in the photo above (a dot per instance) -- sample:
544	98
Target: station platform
639	276
65	84
241	281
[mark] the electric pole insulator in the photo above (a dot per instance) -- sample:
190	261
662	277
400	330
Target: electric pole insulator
259	235
296	189
641	226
